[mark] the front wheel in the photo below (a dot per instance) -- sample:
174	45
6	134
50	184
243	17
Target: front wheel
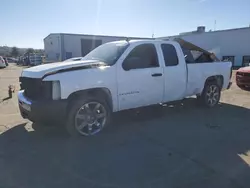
88	116
211	95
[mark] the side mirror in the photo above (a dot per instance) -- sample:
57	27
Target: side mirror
131	63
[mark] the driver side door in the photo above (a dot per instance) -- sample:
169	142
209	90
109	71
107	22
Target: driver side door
140	78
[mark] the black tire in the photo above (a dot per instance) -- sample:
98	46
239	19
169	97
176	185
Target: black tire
75	107
205	99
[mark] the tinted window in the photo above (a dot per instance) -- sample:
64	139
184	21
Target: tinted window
170	55
143	56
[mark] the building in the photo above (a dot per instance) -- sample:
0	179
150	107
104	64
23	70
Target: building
61	46
231	44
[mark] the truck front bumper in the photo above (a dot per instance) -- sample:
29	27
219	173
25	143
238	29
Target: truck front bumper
243	80
42	111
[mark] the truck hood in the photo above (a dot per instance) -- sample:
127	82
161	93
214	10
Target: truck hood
47	69
244	69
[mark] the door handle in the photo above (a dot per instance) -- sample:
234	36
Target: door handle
156	74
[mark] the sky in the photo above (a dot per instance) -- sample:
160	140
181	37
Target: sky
25	23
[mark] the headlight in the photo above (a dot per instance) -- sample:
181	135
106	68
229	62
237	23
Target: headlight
56	90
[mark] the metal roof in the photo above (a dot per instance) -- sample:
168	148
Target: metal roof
207	32
95	35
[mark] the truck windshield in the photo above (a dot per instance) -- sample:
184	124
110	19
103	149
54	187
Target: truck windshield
109	53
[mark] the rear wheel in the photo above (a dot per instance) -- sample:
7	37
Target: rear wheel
211	95
88	116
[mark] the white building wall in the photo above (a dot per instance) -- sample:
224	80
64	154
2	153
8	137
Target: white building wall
52	47
72	43
235	42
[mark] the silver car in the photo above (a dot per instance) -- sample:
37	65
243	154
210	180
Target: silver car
2	62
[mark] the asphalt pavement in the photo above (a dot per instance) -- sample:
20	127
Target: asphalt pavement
177	146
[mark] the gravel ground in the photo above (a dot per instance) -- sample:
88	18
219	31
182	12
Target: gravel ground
176	146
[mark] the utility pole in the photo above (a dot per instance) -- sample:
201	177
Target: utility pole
214	25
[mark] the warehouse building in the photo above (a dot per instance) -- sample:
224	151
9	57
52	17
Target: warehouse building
61	46
231	44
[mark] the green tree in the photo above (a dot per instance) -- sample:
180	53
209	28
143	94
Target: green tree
30	50
39	51
14	52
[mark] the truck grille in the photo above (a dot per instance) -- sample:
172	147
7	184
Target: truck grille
243	74
35	88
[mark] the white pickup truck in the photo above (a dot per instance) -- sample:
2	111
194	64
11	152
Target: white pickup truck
117	76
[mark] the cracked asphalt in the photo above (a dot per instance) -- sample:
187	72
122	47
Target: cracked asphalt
176	146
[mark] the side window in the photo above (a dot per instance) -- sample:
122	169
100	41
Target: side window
142	56
170	55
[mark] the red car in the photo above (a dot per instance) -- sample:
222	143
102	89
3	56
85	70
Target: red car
243	77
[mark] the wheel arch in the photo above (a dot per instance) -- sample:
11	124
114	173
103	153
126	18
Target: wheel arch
100	92
219	79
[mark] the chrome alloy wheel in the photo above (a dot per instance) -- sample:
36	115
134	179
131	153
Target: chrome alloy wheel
90	118
212	95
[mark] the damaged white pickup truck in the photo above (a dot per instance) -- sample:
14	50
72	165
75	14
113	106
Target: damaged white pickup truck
117	76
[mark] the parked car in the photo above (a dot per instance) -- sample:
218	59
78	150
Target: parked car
243	77
118	76
73	59
6	61
2	62
11	60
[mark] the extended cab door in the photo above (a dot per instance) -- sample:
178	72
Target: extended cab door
175	71
140	77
